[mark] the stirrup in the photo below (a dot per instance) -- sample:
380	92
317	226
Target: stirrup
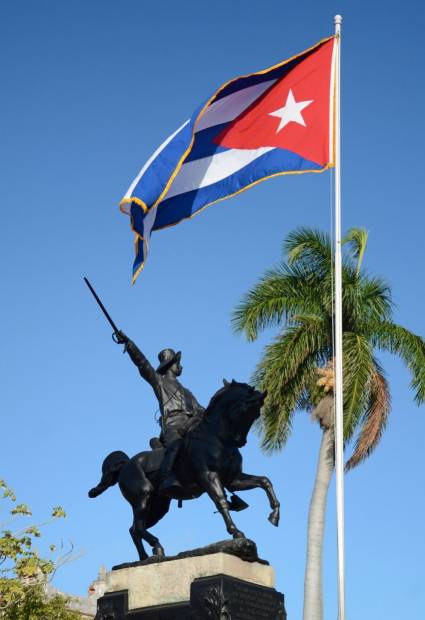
237	503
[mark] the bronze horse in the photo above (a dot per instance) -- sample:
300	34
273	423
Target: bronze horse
209	462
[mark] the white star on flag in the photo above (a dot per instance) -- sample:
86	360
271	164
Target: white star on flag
291	112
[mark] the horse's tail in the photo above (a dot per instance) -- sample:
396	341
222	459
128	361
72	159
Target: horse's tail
111	468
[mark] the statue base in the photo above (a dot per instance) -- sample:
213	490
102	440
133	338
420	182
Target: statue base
214	585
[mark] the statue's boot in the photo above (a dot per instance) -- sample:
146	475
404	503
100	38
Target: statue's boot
170	488
169	485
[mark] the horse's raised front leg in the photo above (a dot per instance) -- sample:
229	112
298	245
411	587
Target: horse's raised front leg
245	482
212	484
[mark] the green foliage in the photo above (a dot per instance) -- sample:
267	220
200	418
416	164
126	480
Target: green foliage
58	512
24	573
298	296
29	602
21	509
356	241
8	493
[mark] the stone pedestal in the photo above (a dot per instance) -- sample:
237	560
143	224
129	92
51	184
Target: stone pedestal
207	585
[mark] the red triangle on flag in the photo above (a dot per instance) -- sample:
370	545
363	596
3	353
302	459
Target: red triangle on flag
293	114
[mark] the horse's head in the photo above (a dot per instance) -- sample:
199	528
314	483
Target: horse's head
234	408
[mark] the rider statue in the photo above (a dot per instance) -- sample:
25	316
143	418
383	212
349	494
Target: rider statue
176	403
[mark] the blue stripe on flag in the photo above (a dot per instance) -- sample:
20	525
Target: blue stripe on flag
140	256
269	74
177	208
204	145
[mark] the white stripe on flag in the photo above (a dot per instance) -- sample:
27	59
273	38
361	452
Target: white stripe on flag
208	170
228	108
151	158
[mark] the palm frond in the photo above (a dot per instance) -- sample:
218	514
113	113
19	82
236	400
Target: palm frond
280	292
358	368
275	424
364	299
286	371
282	358
374	420
396	339
376	299
308	247
276	421
356	239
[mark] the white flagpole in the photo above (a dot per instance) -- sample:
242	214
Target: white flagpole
339	414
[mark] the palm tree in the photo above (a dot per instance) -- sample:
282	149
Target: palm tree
296	368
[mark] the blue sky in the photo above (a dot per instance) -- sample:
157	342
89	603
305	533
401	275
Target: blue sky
90	89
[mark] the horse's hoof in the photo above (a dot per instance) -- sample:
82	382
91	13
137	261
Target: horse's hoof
274	517
158	552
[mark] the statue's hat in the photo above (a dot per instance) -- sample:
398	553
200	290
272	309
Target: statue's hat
167	357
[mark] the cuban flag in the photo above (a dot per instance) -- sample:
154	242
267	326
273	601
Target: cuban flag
272	122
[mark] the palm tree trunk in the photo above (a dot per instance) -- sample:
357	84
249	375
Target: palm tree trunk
313	590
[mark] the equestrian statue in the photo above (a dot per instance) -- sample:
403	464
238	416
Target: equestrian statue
197	451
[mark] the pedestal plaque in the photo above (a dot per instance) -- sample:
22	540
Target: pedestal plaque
226	598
